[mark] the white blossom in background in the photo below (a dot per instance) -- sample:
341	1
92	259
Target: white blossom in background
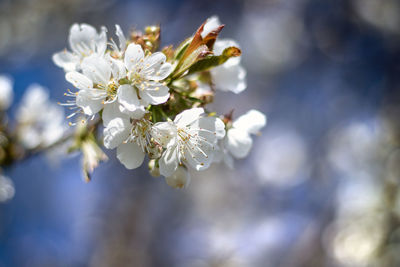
358	230
284	156
238	142
7	189
40	122
84	40
6	92
230	76
190	139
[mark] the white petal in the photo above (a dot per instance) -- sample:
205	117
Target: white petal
220	128
136	114
111	111
221	154
199	150
188	116
79	80
128	99
212	24
88	103
118	69
200	157
133	55
211	128
252	121
179	179
66	60
163	132
30	138
121	37
116	132
229	78
169	161
161	72
238	143
97	69
53	128
35	96
155	68
213	124
153	92
101	42
82	39
130	155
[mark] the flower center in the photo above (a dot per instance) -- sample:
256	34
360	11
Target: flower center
183	135
141	134
112	90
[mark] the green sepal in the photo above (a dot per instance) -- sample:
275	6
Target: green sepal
214	61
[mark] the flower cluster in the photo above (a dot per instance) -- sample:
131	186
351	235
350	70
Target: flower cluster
153	102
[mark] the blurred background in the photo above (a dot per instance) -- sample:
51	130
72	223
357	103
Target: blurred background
320	187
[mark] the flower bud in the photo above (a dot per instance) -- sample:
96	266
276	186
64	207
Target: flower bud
154	151
153	168
92	155
179	179
212	24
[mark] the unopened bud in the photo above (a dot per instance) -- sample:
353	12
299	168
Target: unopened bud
154	151
153	168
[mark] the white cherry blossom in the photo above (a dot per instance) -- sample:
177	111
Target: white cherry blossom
190	140
230	76
146	73
40	122
84	40
6	92
131	137
237	142
99	88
